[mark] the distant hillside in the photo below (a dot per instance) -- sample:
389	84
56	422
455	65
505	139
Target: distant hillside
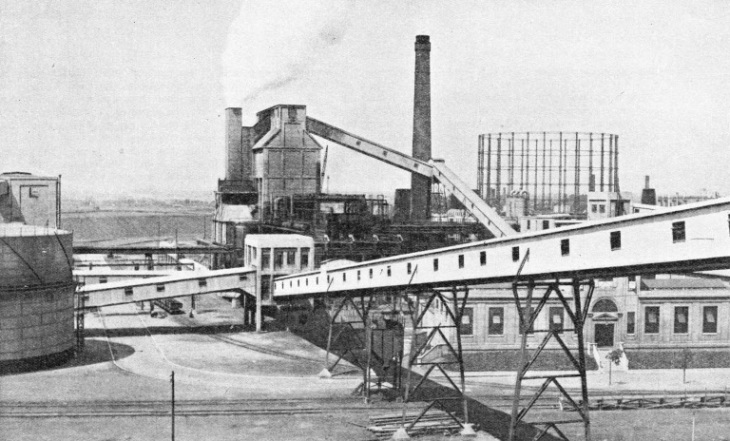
108	226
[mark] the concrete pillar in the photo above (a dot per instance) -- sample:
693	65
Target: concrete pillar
420	185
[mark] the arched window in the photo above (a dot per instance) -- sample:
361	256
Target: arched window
605	305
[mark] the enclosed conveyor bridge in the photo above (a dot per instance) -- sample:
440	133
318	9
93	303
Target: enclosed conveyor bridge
687	238
434	169
184	283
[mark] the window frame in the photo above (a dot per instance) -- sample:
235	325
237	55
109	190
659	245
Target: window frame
493	327
552	324
677	323
706	323
631	322
467	329
655	327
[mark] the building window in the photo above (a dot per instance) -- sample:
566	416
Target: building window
709	319
678	233
316	281
103	279
602	208
496	321
304	258
461	261
564	247
651	320
435	264
128	291
202	282
278	258
266	258
291	256
615	240
594	208
630	322
371	273
161	288
467	322
358	275
344	277
388	270
526	319
528	224
515	254
408	267
483	258
556	318
545	225
681	319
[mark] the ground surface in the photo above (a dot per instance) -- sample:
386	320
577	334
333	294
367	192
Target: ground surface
235	384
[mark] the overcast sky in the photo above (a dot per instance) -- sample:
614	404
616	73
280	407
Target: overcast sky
128	96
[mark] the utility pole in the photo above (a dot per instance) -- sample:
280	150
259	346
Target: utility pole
172	384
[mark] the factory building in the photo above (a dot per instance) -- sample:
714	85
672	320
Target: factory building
273	186
30	199
655	320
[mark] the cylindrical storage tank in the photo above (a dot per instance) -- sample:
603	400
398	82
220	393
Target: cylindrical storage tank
36	296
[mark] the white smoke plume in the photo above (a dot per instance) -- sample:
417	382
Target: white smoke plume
273	44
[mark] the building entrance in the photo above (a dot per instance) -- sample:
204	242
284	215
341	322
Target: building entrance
604	334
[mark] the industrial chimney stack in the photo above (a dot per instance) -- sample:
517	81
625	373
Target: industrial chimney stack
239	160
421	185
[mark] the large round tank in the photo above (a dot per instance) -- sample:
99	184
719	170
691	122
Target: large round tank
36	296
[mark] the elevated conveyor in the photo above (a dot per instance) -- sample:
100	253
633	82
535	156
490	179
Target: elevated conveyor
687	238
435	169
184	283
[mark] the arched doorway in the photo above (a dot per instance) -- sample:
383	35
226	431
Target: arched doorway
605	316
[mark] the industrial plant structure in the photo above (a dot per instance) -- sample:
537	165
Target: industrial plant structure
36	283
556	169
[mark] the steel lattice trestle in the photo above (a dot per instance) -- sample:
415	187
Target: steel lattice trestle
455	311
582	294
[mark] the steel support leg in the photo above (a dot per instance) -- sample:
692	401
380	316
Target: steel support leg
453	355
582	294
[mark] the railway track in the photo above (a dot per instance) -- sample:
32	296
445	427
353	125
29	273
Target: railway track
108	408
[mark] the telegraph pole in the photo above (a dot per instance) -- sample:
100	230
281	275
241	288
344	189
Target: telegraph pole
172	385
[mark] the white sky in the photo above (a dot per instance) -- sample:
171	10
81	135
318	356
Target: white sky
128	97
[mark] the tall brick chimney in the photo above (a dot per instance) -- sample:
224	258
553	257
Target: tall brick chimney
421	185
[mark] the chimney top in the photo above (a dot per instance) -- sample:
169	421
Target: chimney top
423	43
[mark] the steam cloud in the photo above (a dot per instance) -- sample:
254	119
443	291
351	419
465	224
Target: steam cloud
272	45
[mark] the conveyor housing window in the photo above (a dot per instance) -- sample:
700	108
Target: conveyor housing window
615	240
515	254
408	267
678	233
435	264
483	258
565	247
461	261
